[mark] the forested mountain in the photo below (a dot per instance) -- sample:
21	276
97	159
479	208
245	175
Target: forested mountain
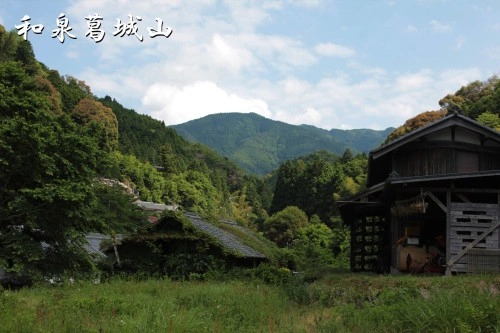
260	145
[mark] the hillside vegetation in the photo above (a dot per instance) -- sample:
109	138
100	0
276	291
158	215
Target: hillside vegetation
64	152
60	149
259	145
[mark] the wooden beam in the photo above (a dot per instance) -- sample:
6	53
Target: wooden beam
448	230
463	197
437	201
471	245
463	190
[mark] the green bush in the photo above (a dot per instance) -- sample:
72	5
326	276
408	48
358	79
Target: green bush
270	274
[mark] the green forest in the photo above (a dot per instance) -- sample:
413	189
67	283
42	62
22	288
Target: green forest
260	145
63	151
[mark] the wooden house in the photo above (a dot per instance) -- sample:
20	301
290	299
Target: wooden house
180	244
432	202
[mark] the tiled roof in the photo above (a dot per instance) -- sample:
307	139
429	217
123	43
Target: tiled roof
155	206
228	240
235	225
94	241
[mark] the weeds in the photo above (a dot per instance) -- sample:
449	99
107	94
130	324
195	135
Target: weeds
340	303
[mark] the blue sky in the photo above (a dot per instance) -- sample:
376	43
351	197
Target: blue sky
331	64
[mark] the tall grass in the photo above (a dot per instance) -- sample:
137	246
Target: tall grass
335	303
151	306
417	304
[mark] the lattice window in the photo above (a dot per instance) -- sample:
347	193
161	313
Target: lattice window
367	243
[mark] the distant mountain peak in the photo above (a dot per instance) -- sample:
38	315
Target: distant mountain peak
259	144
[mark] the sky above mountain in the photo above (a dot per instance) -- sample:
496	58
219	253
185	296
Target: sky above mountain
331	64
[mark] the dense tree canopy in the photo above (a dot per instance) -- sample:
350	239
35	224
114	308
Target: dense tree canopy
283	226
475	98
47	166
101	119
115	210
489	119
479	100
414	123
314	186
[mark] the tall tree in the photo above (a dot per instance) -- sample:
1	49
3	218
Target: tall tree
8	44
47	164
283	226
114	208
101	119
414	123
473	99
490	119
284	190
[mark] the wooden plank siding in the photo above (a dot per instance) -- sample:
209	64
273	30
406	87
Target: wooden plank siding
439	160
424	161
469	222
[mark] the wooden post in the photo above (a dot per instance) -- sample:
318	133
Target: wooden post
115	242
448	229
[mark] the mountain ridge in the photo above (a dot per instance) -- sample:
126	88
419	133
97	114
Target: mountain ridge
259	144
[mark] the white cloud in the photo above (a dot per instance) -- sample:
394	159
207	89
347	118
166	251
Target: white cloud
177	105
334	50
247	17
274	51
456	78
219	60
412	28
309	3
295	87
376	101
413	81
232	57
126	85
439	27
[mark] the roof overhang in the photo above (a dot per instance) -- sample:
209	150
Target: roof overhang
446	122
478	175
362	197
369	200
379	196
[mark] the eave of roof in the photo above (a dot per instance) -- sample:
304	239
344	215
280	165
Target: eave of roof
386	185
451	176
445	122
357	197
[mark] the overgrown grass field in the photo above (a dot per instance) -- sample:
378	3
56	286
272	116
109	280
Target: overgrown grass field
333	303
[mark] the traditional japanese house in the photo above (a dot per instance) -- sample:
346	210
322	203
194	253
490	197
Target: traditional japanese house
432	202
179	244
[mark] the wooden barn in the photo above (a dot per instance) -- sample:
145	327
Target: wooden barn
432	202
